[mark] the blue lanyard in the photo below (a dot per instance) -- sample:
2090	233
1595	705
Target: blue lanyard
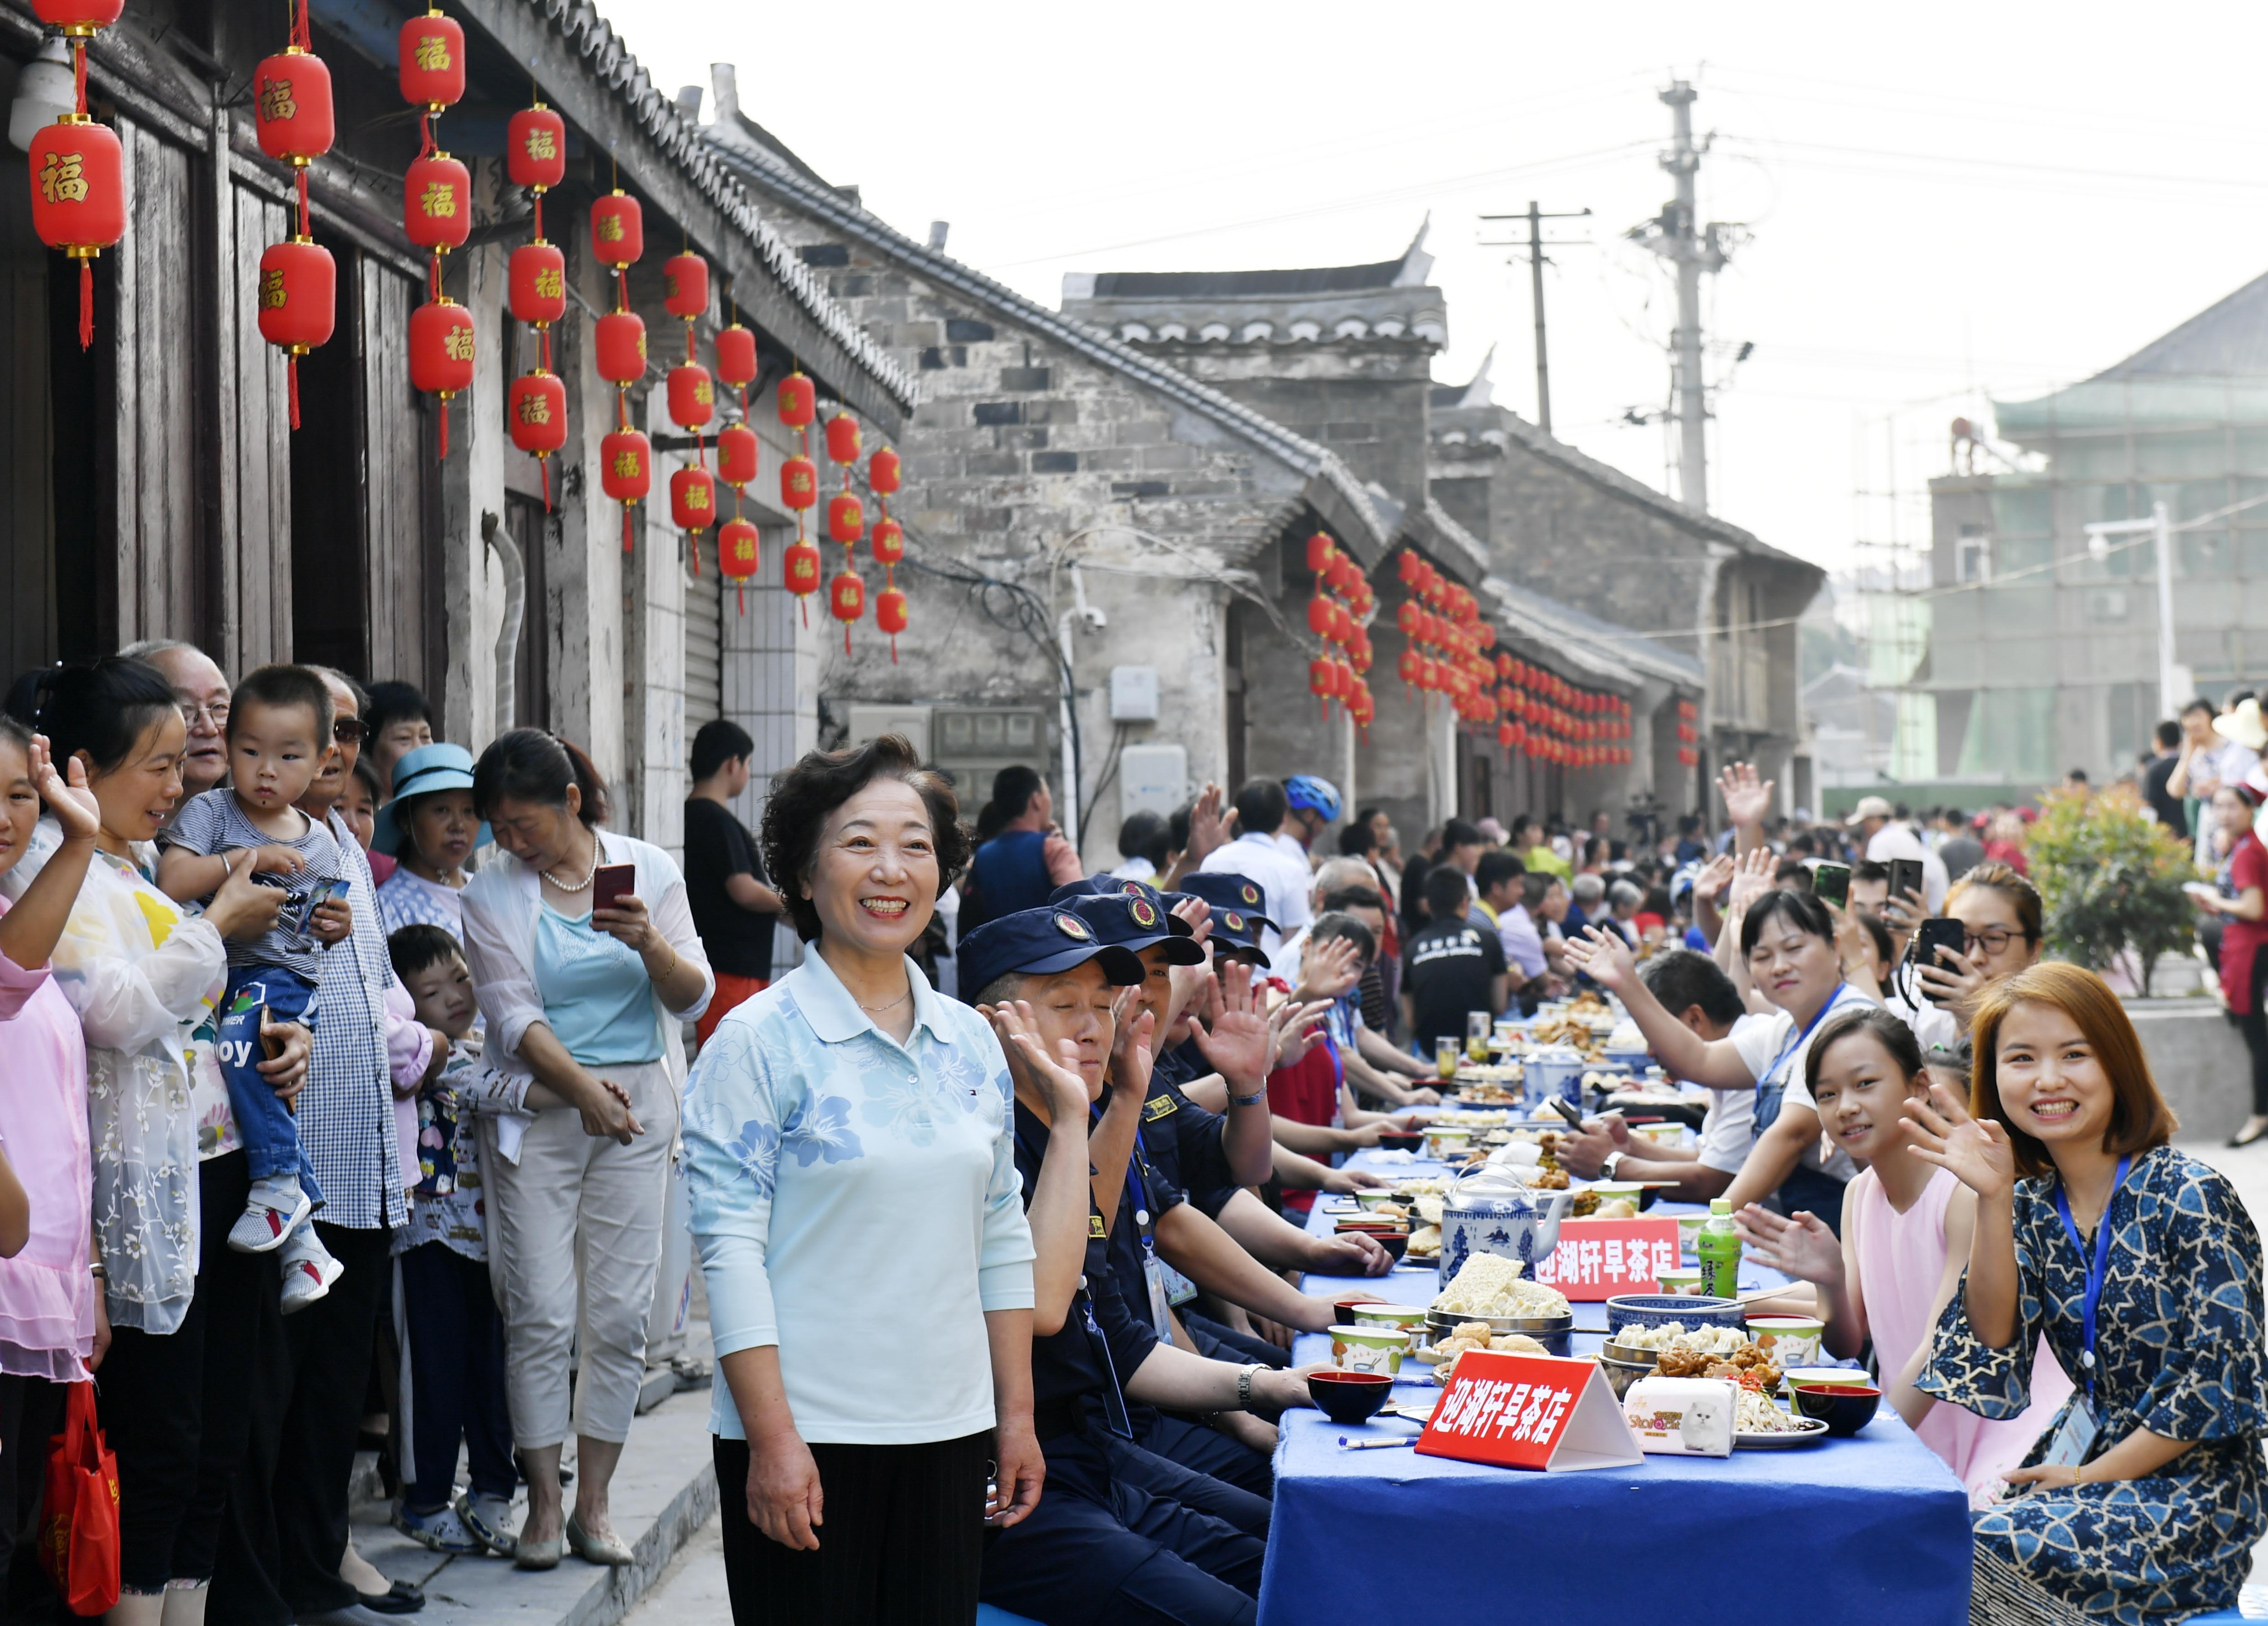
1817	1017
2097	1267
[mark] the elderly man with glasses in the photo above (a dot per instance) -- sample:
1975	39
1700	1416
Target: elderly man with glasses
202	689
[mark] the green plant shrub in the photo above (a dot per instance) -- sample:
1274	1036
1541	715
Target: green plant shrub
2110	878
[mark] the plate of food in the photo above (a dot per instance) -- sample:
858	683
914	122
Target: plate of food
1793	1434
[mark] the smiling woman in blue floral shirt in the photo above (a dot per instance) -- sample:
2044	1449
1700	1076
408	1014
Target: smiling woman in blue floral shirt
861	1234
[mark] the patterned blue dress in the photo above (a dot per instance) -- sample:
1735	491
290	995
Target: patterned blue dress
2178	1351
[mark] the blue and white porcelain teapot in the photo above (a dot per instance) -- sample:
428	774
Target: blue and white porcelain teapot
1492	1210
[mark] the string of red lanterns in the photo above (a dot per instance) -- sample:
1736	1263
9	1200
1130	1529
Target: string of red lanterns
846	523
437	207
625	455
738	552
77	168
692	400
888	544
798	405
292	112
535	159
1689	735
1342	603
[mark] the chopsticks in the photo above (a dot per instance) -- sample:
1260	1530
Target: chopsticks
1375	1445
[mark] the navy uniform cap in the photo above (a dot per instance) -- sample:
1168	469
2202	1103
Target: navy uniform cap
1235	934
1225	890
1136	924
1120	887
1040	943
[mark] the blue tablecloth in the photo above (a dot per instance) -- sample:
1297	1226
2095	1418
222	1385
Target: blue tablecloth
1871	1529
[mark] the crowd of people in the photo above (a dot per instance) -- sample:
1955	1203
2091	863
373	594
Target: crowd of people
350	1067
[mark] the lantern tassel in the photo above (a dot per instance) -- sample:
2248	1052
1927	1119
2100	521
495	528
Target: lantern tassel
86	304
741	594
846	637
626	527
538	214
78	74
894	649
292	375
445	432
696	546
543	472
803	602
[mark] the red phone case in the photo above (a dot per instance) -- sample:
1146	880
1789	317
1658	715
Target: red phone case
611	884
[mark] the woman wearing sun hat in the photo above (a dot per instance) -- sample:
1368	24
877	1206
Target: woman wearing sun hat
431	828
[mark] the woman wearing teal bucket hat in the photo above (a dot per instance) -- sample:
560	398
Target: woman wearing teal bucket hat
429	825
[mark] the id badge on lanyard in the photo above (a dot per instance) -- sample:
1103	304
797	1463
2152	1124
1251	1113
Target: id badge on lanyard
2082	1425
1159	1277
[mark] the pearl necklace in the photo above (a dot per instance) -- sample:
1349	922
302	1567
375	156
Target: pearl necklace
589	875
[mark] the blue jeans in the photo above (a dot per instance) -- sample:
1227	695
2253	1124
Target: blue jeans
270	1132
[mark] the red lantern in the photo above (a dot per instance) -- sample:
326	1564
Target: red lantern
1406	617
799	568
692	498
535	149
299	303
800	487
1320	550
436	201
692	397
846	518
843	440
799	403
78	198
537	412
292	107
626	473
1407	666
78	18
736	356
685	285
1319	616
617	230
432	49
890	616
736	454
882	473
621	347
889	541
538	283
846	601
441	354
1341	624
737	557
1322	682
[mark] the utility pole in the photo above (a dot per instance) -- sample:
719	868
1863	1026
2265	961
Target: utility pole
1674	235
1535	216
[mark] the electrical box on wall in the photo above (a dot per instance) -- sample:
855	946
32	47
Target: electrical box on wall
1133	694
869	722
1155	777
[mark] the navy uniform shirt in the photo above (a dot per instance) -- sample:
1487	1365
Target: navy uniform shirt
1184	1140
1069	1365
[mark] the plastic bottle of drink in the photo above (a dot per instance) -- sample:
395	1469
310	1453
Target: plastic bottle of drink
1720	1247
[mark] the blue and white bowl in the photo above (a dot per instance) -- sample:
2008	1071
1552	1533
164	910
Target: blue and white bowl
1659	1309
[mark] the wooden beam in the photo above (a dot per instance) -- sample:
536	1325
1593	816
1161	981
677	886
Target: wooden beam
571	83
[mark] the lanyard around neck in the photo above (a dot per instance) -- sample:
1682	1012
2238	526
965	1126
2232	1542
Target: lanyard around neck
2098	1264
1817	1017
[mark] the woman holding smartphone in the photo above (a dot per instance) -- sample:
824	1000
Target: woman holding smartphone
583	986
2239	897
2142	1270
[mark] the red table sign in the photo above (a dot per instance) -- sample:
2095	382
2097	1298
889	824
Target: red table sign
1534	1411
1599	1259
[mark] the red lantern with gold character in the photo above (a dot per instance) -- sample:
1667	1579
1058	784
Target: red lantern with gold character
621	347
1322	682
798	483
736	356
626	473
78	198
535	149
433	61
292	107
693	499
882	472
798	402
799	572
846	601
842	438
299	303
692	397
78	19
846	518
739	556
685	285
538	283
890	616
537	412
888	543
736	454
1319	548
441	354
1319	616
436	202
617	230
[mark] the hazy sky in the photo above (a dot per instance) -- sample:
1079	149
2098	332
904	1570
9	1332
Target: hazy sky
1946	202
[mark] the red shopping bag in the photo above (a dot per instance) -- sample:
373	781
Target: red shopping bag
79	1523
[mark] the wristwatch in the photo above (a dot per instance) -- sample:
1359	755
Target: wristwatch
1608	1163
1244	1377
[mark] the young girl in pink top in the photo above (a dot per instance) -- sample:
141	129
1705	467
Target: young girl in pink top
1905	1241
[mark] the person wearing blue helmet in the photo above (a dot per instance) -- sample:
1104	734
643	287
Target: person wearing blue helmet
1315	805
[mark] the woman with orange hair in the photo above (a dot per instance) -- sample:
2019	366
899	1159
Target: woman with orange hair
2139	1265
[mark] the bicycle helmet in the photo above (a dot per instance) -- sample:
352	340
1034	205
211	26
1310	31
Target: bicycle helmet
1307	791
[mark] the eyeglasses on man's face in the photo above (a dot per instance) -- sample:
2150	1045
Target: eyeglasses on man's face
213	714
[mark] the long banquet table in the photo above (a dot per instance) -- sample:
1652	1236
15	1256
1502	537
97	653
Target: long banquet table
1873	1529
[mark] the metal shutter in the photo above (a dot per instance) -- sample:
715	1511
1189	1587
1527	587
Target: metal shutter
705	631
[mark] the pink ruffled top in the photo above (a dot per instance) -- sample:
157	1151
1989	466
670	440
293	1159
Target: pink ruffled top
47	1293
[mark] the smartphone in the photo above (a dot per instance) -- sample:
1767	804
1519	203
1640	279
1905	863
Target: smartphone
1558	1104
611	884
1831	883
1905	876
1938	932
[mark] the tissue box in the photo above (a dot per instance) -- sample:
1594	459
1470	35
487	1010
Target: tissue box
1682	1416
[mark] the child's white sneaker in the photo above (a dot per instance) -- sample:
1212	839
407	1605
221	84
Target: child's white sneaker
276	1210
309	1270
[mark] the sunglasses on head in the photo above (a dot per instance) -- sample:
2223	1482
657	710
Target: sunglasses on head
347	729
